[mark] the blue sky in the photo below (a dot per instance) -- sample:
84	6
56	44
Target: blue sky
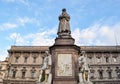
35	22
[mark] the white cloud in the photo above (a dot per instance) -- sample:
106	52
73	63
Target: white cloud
20	21
9	0
4	53
94	35
25	2
24	20
43	38
18	39
7	26
97	35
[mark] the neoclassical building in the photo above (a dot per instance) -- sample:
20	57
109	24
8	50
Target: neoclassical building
25	61
3	69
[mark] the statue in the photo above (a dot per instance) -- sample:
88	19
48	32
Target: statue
64	26
84	69
45	76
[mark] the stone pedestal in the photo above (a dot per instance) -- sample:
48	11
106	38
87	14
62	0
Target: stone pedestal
42	83
38	83
64	41
64	61
86	82
65	82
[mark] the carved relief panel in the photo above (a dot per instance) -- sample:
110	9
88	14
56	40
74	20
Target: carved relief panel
64	65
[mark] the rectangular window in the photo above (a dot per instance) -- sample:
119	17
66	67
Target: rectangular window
101	75
34	59
16	59
90	60
14	73
25	60
98	59
109	75
107	59
114	59
32	75
23	74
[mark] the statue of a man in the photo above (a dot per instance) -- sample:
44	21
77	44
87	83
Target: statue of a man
64	26
83	68
45	70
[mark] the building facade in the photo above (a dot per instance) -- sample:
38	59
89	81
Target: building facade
25	61
105	63
3	69
24	64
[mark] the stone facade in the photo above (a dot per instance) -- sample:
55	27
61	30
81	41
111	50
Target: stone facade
24	64
3	69
25	61
104	62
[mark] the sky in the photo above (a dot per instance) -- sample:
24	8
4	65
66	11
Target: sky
35	22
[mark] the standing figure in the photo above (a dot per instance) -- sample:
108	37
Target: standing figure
64	25
45	76
84	69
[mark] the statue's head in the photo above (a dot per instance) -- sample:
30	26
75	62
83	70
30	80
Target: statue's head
83	52
47	53
63	10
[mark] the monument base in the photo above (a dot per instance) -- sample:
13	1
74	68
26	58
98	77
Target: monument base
38	83
65	82
85	82
43	83
64	41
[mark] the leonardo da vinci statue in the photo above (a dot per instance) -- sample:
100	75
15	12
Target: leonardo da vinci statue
64	25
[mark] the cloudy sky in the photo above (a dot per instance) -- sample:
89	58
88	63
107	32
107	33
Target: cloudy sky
35	22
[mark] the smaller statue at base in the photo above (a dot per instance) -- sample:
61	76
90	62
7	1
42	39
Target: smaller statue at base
84	69
45	76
